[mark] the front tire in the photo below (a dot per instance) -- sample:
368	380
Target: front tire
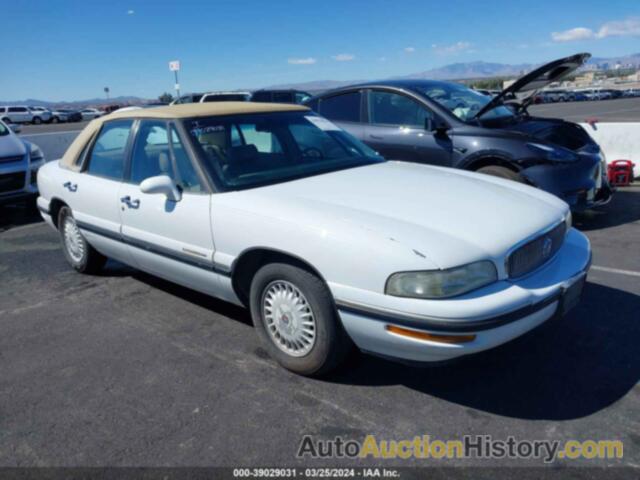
502	172
55	120
80	255
37	120
294	316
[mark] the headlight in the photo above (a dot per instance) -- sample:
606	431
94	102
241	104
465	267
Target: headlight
568	221
555	154
36	154
442	283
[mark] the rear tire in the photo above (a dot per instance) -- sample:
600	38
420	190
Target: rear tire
294	316
55	120
37	120
502	172
80	255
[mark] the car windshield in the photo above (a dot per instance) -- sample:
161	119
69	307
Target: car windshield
463	102
4	130
245	151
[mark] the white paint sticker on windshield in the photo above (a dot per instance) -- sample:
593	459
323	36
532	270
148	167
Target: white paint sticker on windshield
322	123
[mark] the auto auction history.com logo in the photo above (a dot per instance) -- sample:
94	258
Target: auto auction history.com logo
470	446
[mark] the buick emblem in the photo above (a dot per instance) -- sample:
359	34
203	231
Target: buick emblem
546	247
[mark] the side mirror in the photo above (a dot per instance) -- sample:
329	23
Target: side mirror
436	126
162	184
15	128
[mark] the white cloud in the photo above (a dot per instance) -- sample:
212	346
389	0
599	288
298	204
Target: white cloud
573	34
452	49
629	27
409	49
130	12
302	61
343	57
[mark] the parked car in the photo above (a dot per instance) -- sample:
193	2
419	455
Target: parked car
226	97
631	92
554	96
187	98
280	96
19	164
65	115
577	97
213	97
40	115
450	125
275	208
16	114
91	113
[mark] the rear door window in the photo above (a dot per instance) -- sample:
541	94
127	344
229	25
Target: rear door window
344	107
108	152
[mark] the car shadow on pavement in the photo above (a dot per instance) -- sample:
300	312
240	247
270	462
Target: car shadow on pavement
18	214
623	208
563	370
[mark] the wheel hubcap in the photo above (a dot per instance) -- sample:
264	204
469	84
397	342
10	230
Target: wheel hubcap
288	318
73	239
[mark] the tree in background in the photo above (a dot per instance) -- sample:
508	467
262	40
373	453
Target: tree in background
166	97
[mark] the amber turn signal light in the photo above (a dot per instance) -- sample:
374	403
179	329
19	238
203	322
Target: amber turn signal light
431	337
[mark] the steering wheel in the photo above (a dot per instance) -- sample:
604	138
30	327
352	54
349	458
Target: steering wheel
312	152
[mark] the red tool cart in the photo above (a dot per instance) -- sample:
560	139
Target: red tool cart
620	172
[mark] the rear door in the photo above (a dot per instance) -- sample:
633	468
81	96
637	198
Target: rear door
168	238
397	129
345	110
92	193
19	114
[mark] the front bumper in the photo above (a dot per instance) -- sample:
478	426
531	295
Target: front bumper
582	184
18	181
493	315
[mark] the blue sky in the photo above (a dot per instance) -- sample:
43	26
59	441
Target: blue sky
70	50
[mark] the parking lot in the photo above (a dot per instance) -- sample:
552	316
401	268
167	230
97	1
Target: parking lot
619	110
126	369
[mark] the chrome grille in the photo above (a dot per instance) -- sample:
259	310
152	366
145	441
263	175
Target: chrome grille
16	158
536	252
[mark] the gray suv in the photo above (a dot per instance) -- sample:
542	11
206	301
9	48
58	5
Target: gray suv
450	125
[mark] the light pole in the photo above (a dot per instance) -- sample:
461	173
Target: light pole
174	66
106	91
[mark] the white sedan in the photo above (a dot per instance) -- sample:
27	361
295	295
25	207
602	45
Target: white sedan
91	113
329	245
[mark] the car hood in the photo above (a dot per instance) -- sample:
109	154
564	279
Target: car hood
11	146
448	216
558	132
539	78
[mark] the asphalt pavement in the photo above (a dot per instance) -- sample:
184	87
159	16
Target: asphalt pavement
126	369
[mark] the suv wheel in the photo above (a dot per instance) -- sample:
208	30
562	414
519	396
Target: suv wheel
37	120
502	172
80	255
294	315
55	120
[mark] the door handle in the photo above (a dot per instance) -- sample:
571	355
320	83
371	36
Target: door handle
72	187
130	203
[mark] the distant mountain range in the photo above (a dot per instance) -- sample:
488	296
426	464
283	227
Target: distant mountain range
464	71
454	71
124	100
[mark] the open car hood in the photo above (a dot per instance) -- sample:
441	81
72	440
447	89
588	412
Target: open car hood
539	78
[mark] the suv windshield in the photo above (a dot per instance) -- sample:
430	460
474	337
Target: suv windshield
462	101
245	151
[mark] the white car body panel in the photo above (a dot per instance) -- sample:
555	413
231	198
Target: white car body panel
355	227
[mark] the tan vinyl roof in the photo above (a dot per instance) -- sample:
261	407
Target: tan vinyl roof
188	110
